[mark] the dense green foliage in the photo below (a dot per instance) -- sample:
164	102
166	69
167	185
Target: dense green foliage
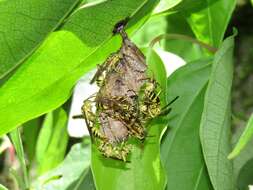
46	46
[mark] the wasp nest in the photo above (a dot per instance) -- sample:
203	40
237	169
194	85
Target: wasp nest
126	100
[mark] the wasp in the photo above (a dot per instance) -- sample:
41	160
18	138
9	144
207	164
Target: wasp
127	99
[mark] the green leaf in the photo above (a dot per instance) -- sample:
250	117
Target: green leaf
209	21
68	173
177	23
25	24
45	80
215	123
151	29
244	139
30	134
2	187
144	171
87	183
245	177
52	141
180	149
17	142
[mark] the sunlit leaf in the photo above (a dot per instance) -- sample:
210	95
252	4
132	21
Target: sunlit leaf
45	81
165	5
2	187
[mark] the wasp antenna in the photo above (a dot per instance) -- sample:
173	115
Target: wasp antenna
171	102
150	136
78	116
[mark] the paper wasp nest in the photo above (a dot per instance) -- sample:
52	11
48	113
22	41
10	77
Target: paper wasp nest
126	100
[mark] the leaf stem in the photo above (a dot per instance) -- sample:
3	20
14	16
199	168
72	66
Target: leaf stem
17	142
185	38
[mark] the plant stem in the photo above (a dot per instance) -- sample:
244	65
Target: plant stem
17	142
182	37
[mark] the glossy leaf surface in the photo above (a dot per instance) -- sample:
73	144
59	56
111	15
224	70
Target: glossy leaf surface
45	80
181	150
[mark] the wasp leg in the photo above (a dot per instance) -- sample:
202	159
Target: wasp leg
97	74
166	110
90	117
172	101
106	66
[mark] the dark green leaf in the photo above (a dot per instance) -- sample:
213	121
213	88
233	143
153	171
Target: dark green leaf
30	133
85	182
45	80
181	150
245	177
242	161
144	171
215	123
24	24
